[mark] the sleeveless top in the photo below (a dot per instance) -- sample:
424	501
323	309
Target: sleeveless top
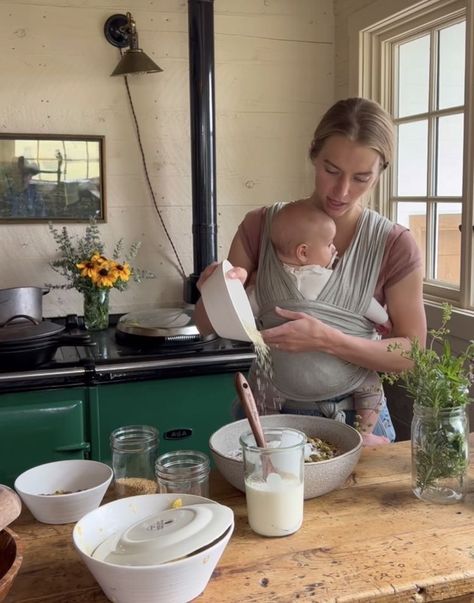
342	303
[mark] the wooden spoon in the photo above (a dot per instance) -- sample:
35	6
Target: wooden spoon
250	407
10	506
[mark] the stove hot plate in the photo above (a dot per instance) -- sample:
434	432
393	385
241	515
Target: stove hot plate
162	327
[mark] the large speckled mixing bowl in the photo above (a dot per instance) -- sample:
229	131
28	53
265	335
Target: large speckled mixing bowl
320	477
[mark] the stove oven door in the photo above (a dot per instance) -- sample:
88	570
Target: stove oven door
39	427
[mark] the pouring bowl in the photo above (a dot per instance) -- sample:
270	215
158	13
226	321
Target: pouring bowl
227	305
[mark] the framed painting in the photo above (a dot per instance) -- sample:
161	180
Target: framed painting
46	177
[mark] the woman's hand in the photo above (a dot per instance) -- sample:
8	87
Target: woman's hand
205	274
235	272
302	333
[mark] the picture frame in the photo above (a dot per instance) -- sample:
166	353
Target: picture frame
52	177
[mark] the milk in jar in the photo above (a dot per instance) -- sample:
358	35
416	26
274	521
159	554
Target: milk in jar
274	481
275	506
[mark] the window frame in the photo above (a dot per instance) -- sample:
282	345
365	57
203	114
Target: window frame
375	80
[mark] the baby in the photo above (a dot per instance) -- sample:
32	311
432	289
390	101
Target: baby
303	238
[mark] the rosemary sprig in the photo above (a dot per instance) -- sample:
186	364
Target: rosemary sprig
437	380
439	384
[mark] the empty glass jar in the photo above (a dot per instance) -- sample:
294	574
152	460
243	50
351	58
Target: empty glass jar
134	451
183	471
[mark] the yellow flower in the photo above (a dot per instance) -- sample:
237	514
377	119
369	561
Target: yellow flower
98	259
104	276
123	271
87	269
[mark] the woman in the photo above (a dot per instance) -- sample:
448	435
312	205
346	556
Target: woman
351	147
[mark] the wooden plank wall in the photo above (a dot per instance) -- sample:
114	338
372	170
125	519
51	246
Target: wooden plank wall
274	79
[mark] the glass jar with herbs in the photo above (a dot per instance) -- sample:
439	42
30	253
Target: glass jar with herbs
440	453
438	383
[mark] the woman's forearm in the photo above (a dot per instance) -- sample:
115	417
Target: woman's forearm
382	355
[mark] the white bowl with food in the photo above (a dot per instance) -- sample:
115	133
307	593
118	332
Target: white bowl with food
118	543
63	491
340	442
227	305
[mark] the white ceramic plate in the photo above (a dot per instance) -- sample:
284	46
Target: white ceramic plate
166	536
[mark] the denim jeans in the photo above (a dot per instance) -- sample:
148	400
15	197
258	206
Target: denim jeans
383	427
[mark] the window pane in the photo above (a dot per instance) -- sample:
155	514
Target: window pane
451	65
413	216
413	78
450	155
448	249
412	159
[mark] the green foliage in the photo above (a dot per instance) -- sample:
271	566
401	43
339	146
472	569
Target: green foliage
73	250
437	379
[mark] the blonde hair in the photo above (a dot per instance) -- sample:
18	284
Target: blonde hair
360	120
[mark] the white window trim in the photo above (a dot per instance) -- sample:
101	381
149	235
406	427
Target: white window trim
370	32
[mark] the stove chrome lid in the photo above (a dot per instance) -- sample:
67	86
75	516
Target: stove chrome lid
167	323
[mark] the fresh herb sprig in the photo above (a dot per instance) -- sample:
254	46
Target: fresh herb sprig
437	380
439	384
84	266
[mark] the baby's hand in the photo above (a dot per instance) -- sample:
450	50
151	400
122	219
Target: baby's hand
384	329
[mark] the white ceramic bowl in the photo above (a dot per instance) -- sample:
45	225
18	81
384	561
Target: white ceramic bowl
87	482
227	304
320	477
173	582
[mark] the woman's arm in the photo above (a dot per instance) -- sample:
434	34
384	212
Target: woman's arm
304	333
243	267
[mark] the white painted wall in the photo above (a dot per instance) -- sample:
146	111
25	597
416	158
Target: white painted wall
274	79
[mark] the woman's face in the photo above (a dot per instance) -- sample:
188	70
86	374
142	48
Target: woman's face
344	171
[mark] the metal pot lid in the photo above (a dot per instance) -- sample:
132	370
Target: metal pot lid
167	536
162	322
24	332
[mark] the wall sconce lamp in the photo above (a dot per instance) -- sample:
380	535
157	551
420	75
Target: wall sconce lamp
121	31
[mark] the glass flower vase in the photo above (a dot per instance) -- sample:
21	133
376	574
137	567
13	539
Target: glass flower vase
96	309
440	453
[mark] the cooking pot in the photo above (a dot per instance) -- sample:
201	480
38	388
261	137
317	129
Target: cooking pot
20	302
28	344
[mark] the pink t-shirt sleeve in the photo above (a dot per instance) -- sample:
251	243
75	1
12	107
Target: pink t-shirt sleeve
401	257
250	232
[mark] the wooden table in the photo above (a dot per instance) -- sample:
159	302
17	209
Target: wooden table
371	541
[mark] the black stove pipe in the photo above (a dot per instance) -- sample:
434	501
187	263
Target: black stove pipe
203	142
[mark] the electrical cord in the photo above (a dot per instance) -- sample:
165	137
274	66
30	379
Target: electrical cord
147	177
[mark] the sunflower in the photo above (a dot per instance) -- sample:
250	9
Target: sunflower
123	271
104	275
97	258
87	268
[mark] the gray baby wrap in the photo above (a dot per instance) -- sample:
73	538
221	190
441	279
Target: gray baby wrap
317	376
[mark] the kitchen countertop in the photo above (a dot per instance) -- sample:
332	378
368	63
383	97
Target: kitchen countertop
372	541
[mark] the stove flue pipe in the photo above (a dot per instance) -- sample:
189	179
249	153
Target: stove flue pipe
203	143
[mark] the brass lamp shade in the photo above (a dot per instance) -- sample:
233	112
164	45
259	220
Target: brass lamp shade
135	61
121	31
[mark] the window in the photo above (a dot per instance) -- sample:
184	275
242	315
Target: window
423	79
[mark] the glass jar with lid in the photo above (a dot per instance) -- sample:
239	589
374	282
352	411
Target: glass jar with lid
134	451
183	471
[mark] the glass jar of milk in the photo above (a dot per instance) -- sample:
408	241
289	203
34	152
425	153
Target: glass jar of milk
274	481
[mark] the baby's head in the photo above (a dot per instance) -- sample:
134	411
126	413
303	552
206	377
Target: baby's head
303	234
